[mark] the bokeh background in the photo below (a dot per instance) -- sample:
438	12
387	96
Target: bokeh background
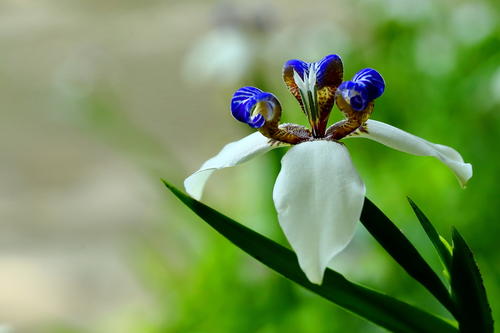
99	99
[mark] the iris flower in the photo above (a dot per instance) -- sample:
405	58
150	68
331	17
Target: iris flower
318	194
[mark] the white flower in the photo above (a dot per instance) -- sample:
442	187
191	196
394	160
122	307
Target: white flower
318	193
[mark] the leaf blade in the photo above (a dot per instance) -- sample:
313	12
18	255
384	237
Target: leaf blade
433	235
404	253
381	309
468	289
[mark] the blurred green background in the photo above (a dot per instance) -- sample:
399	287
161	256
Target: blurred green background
98	100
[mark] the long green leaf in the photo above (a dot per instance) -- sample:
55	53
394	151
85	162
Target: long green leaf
381	309
468	290
405	254
433	235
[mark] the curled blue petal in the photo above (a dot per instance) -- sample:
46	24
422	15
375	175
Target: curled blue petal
372	80
239	101
355	94
241	106
245	101
365	86
329	71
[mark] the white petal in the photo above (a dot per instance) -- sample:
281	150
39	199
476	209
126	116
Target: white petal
232	154
319	196
398	139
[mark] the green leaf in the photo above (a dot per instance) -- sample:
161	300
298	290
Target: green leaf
405	254
441	247
468	289
381	309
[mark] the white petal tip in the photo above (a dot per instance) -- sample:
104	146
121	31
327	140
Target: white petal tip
315	278
231	155
398	139
315	270
314	274
195	183
465	175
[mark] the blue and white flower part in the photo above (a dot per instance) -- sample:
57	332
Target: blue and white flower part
254	107
318	193
314	85
364	87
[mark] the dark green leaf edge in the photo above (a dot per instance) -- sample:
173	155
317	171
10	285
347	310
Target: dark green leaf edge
435	238
381	309
405	254
468	289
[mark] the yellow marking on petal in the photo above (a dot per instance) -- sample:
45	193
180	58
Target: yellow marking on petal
326	99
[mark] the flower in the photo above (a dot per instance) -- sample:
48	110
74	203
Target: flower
318	193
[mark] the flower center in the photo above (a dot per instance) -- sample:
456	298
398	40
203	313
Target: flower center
317	87
309	95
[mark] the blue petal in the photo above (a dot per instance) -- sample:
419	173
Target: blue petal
358	103
365	86
373	82
242	95
244	101
296	65
329	71
355	94
320	80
